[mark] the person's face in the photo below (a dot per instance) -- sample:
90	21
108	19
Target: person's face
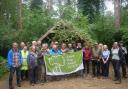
115	45
96	45
54	47
121	44
22	45
70	45
15	46
39	42
33	49
43	46
34	43
74	45
63	45
79	44
25	48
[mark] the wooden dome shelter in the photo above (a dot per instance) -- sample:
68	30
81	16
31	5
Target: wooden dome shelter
66	32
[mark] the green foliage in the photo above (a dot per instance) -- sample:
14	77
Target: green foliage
1	59
3	68
90	8
6	36
35	23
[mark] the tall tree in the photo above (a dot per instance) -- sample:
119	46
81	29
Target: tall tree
8	13
20	15
50	5
89	8
117	9
36	4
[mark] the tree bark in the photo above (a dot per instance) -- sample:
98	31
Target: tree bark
117	9
50	5
20	15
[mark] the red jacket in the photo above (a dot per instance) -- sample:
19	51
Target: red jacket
87	53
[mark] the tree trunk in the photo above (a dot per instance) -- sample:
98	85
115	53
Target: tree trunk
117	5
50	5
20	15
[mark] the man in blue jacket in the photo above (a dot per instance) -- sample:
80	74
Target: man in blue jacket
54	50
14	64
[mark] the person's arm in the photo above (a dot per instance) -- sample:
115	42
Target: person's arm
9	57
21	60
125	50
107	57
103	60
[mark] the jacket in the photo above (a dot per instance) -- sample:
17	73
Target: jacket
10	58
53	52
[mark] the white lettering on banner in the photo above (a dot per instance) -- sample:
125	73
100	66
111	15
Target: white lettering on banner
57	66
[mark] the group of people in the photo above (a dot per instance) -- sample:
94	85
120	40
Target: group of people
28	60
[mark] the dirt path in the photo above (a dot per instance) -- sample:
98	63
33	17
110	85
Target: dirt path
73	83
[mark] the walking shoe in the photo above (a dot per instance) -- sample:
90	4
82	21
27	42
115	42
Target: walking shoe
32	84
11	88
115	80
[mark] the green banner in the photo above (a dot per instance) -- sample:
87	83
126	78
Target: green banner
63	64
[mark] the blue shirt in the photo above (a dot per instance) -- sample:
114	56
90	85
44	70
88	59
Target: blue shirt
105	54
54	52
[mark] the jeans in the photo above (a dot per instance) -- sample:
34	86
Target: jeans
24	73
33	73
41	73
123	65
86	66
116	67
96	67
105	69
11	74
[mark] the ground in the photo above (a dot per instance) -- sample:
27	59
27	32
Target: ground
73	83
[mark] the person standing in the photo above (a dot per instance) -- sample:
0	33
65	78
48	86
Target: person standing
79	46
54	50
32	63
14	64
95	60
87	55
116	62
70	48
22	44
41	64
124	57
105	61
64	48
24	68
